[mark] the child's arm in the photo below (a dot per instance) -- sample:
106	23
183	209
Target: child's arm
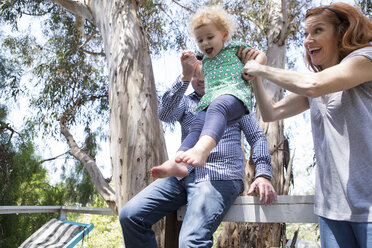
249	53
287	107
260	57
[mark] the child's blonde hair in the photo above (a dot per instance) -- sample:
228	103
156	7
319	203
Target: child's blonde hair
215	15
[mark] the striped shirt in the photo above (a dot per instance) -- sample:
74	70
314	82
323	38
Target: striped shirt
225	162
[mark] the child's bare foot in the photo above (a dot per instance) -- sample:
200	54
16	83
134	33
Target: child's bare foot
194	157
198	155
169	168
178	156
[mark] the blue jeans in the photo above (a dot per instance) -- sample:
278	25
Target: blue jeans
224	110
334	234
207	202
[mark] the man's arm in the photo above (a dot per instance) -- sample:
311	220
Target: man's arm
260	149
261	158
172	104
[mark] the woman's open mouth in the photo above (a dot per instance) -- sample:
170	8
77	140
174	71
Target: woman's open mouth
314	51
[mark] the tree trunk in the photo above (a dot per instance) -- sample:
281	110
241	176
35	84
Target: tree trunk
256	234
136	137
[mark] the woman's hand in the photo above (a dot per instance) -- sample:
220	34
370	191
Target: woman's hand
249	54
251	68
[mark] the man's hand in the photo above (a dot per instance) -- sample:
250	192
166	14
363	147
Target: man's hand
189	63
266	190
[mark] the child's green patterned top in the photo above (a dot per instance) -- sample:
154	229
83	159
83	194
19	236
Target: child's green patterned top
223	75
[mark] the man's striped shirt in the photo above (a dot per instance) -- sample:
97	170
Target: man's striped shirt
226	160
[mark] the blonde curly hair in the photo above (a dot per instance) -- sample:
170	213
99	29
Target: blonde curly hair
216	15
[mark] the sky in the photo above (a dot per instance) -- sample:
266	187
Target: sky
166	68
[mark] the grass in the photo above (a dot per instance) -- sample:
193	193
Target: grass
105	234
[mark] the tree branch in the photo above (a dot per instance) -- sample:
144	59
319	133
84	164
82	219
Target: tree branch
4	125
276	148
102	53
184	7
88	38
102	186
53	158
78	8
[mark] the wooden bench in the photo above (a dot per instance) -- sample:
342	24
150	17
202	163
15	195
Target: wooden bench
287	209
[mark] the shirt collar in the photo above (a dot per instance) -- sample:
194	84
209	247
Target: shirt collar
194	95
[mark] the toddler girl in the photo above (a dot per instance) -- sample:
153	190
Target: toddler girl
227	96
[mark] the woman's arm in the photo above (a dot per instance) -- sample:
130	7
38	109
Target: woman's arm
270	111
287	107
352	72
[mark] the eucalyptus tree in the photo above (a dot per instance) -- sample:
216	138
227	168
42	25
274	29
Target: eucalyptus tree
22	178
70	83
60	85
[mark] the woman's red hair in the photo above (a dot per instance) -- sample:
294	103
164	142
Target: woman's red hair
353	28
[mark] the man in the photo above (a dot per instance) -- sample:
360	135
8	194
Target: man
209	191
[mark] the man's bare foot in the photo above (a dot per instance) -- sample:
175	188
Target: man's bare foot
194	157
169	168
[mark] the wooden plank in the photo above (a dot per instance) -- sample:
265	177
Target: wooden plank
28	209
287	209
87	210
49	209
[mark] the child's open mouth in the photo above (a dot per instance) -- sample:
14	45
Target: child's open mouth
208	50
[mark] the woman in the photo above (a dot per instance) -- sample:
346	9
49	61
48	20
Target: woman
338	44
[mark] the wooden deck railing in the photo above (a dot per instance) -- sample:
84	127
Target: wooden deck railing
287	209
62	210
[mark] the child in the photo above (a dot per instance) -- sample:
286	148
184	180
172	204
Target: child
227	96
